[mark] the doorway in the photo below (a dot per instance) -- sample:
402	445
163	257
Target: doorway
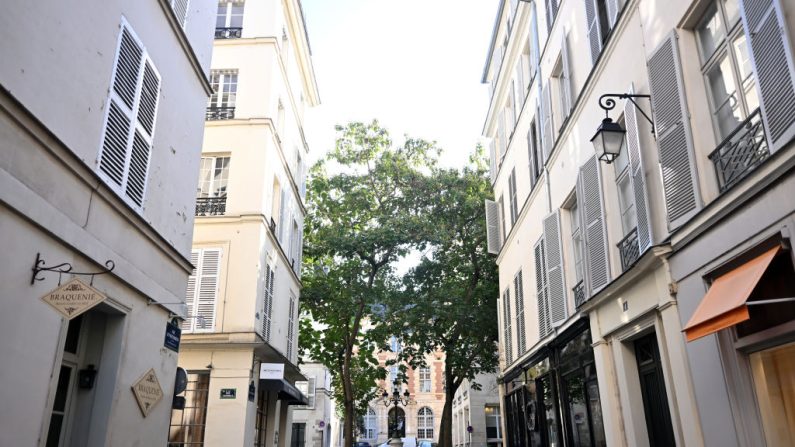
298	438
397	423
653	392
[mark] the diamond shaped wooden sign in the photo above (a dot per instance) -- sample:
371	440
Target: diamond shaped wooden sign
147	391
73	298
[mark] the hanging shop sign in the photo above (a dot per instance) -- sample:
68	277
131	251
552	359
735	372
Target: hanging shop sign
73	298
147	391
271	370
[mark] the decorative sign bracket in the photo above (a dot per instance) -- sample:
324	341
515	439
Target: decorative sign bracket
65	267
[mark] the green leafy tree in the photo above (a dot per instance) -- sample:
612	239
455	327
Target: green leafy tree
365	202
453	288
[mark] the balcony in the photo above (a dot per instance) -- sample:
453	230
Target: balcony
228	33
579	293
741	152
211	206
220	113
629	250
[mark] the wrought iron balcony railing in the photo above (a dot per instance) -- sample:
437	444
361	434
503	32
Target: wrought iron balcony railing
211	206
629	249
741	152
579	293
228	33
272	226
220	113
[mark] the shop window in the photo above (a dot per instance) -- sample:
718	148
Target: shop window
773	373
493	422
187	425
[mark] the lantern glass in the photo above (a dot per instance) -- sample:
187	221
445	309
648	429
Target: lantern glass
608	140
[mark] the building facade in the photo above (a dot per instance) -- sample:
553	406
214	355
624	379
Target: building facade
101	121
615	277
421	418
312	423
240	338
476	413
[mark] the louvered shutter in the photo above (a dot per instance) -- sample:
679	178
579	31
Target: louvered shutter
764	22
552	12
506	319
267	304
124	91
144	133
612	11
210	265
530	152
637	176
492	160
281	231
503	233
513	198
541	289
291	328
493	227
590	190
190	292
594	33
503	141
547	127
180	8
521	344
672	127
553	251
566	77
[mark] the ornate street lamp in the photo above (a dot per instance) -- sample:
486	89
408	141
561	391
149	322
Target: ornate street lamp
394	400
609	136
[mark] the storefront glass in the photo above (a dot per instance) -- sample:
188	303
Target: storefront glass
774	380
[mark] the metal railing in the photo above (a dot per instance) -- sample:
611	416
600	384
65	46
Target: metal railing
228	33
211	206
629	249
579	293
741	152
220	113
272	226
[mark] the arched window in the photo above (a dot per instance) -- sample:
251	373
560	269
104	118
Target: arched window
370	424
425	423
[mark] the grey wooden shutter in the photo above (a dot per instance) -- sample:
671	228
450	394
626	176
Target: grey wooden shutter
521	336
493	227
566	83
555	277
291	327
637	176
541	289
210	265
512	193
674	140
765	24
594	33
506	320
503	233
267	304
180	8
547	126
190	292
590	191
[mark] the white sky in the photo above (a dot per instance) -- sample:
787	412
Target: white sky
415	65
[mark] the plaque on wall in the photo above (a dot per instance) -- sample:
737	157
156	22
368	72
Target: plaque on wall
147	391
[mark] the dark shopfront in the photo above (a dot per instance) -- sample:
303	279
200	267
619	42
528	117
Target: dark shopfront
553	399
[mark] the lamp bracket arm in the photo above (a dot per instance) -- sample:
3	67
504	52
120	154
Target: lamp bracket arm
607	103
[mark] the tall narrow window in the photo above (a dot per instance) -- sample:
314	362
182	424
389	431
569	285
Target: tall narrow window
425	380
211	191
518	294
229	21
425	423
493	423
506	324
578	249
129	130
222	100
202	292
276	205
727	67
534	153
267	304
187	425
394	344
512	197
370	424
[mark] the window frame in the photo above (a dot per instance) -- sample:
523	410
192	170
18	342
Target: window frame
425	422
215	159
220	84
425	379
228	14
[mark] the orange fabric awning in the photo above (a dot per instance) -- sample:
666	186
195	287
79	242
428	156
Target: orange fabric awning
725	303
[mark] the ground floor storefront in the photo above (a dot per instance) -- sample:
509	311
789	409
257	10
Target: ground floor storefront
237	394
553	399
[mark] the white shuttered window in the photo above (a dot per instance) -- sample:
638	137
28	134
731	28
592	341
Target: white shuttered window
267	305
201	296
506	326
542	290
130	123
291	328
493	227
521	336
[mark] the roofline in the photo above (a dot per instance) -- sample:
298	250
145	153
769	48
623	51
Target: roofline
296	16
495	29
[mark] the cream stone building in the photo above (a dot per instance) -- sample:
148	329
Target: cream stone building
645	301
240	339
476	413
101	117
313	422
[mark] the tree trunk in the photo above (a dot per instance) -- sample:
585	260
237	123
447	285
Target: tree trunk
446	424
